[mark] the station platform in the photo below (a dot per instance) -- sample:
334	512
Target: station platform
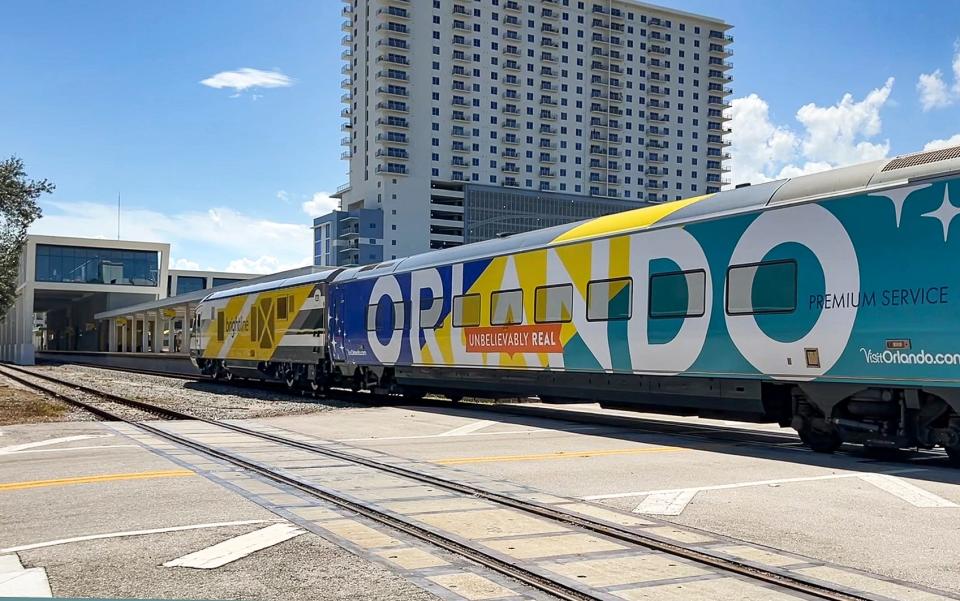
147	362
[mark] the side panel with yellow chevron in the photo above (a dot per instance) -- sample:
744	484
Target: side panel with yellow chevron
270	331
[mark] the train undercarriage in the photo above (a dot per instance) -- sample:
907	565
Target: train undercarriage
883	420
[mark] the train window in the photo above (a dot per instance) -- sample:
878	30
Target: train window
553	304
254	324
391	316
678	294
506	307
221	326
282	307
769	287
431	309
609	300
399	315
466	311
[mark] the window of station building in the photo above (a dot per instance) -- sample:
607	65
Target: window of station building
678	294
226	281
506	307
768	287
553	304
96	265
190	283
466	311
610	300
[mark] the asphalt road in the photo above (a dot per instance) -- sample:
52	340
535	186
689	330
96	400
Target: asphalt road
84	480
896	519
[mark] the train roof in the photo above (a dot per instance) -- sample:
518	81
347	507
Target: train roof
294	277
843	181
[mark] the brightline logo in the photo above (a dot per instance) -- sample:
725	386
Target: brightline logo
920	357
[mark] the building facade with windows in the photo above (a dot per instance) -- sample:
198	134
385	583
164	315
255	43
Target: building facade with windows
64	282
348	237
185	281
608	101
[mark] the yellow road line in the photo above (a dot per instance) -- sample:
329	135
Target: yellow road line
91	479
558	455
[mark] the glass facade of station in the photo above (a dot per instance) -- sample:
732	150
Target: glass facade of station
82	265
224	281
189	283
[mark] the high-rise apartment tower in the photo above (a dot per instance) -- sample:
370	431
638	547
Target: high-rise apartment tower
467	119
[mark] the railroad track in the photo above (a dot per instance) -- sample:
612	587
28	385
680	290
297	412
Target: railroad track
733	435
533	578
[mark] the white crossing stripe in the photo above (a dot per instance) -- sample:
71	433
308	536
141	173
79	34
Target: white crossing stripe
468	428
79	539
623	495
914	495
15	581
44	443
103	446
667	503
236	548
497	433
10	563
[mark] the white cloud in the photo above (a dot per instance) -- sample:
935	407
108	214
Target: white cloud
247	78
282	196
321	204
186	264
758	146
832	132
213	237
829	136
956	68
933	89
264	264
953	140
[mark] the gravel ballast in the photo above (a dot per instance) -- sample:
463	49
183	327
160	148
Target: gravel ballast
202	398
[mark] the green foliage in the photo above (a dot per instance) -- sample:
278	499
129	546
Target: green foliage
18	209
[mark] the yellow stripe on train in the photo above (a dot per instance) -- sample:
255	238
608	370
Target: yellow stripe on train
626	221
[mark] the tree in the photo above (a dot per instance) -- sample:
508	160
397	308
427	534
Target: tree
18	209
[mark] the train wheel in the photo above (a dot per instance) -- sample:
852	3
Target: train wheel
228	376
824	439
220	372
883	453
290	380
953	452
413	396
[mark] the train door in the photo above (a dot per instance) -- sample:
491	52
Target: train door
335	333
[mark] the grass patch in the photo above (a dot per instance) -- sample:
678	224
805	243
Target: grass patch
23	407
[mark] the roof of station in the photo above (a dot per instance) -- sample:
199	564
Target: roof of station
192	298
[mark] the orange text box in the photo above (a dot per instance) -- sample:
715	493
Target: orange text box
515	339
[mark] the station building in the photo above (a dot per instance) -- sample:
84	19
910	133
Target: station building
66	285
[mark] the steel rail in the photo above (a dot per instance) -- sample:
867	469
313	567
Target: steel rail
774	577
435	537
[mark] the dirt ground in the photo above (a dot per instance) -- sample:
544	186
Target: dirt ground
21	406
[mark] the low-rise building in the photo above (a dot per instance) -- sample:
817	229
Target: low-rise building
63	282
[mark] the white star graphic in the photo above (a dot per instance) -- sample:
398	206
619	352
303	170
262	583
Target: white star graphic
945	213
898	196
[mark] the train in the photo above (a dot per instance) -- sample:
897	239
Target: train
828	302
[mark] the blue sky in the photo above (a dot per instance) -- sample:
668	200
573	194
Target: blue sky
105	97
